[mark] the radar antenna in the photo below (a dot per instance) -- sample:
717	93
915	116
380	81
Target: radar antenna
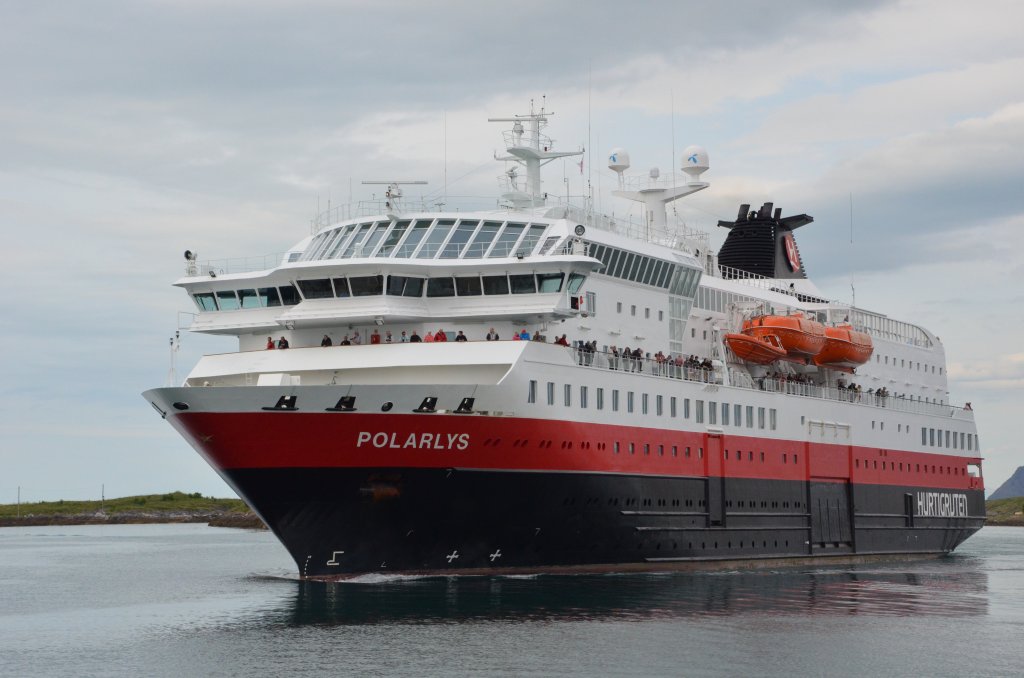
393	194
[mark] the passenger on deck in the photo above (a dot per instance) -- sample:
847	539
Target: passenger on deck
428	337
387	337
375	337
460	336
345	341
562	341
282	343
403	339
326	341
492	335
357	339
440	336
270	343
516	337
524	335
415	338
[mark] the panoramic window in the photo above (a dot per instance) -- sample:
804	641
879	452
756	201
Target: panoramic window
530	240
440	287
495	284
523	284
415	236
227	300
316	289
550	282
468	286
403	286
356	240
269	297
392	240
367	285
205	301
432	245
289	295
459	238
341	287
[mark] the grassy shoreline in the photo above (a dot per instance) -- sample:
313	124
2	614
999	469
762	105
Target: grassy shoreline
173	507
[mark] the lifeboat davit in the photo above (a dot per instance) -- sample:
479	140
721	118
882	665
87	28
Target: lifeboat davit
801	337
845	348
761	351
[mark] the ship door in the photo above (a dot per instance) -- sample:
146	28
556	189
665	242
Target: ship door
830	514
715	472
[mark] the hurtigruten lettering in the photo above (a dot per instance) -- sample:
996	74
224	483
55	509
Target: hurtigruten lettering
942	504
414	441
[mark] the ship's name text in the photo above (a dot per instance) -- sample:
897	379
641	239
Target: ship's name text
942	504
415	441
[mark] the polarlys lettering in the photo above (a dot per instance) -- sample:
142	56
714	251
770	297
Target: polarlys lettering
942	504
414	441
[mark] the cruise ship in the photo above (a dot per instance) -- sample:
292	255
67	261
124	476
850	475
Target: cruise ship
539	387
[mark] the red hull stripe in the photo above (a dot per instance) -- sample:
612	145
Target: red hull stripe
358	440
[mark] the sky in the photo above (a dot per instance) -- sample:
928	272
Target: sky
131	131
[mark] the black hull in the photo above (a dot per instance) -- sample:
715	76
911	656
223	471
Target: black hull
343	522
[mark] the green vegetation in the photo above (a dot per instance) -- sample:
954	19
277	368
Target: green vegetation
172	502
1001	511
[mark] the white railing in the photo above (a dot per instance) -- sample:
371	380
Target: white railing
669	369
236	265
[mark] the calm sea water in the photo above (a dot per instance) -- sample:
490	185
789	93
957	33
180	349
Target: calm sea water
184	600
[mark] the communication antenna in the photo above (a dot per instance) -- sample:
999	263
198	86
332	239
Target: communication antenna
853	259
393	194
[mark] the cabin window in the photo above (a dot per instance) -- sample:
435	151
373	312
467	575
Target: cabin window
523	284
316	289
575	282
531	395
550	282
506	241
672	406
432	245
725	414
440	287
415	236
699	411
269	297
750	417
737	415
600	398
659	405
367	285
629	401
924	435
712	412
772	418
583	397
686	408
568	395
205	301
644	399
468	286
615	400
341	288
392	240
482	241
495	284
551	393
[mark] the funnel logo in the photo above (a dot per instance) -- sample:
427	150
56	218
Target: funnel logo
792	255
614	157
692	159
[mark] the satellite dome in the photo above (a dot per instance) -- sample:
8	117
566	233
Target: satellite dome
618	160
695	162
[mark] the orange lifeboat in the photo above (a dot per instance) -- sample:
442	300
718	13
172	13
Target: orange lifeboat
761	351
845	348
800	337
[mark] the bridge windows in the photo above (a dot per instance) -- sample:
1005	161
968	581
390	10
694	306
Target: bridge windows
522	284
316	289
367	285
468	286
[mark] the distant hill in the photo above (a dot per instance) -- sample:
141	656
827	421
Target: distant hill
1014	487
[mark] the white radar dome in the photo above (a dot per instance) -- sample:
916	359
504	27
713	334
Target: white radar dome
695	162
618	160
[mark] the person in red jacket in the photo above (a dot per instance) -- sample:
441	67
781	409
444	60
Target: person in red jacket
440	336
375	337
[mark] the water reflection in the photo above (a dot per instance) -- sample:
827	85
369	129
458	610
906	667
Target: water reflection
944	589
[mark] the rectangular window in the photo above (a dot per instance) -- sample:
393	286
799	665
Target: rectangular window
760	417
269	297
248	299
531	395
368	285
712	412
583	396
672	406
725	414
737	415
568	395
686	408
632	309
924	435
600	398
315	289
772	418
615	400
699	414
523	284
440	287
468	286
495	284
591	303
644	398
659	405
618	307
750	416
551	393
341	287
550	282
931	437
228	301
205	301
947	438
629	401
